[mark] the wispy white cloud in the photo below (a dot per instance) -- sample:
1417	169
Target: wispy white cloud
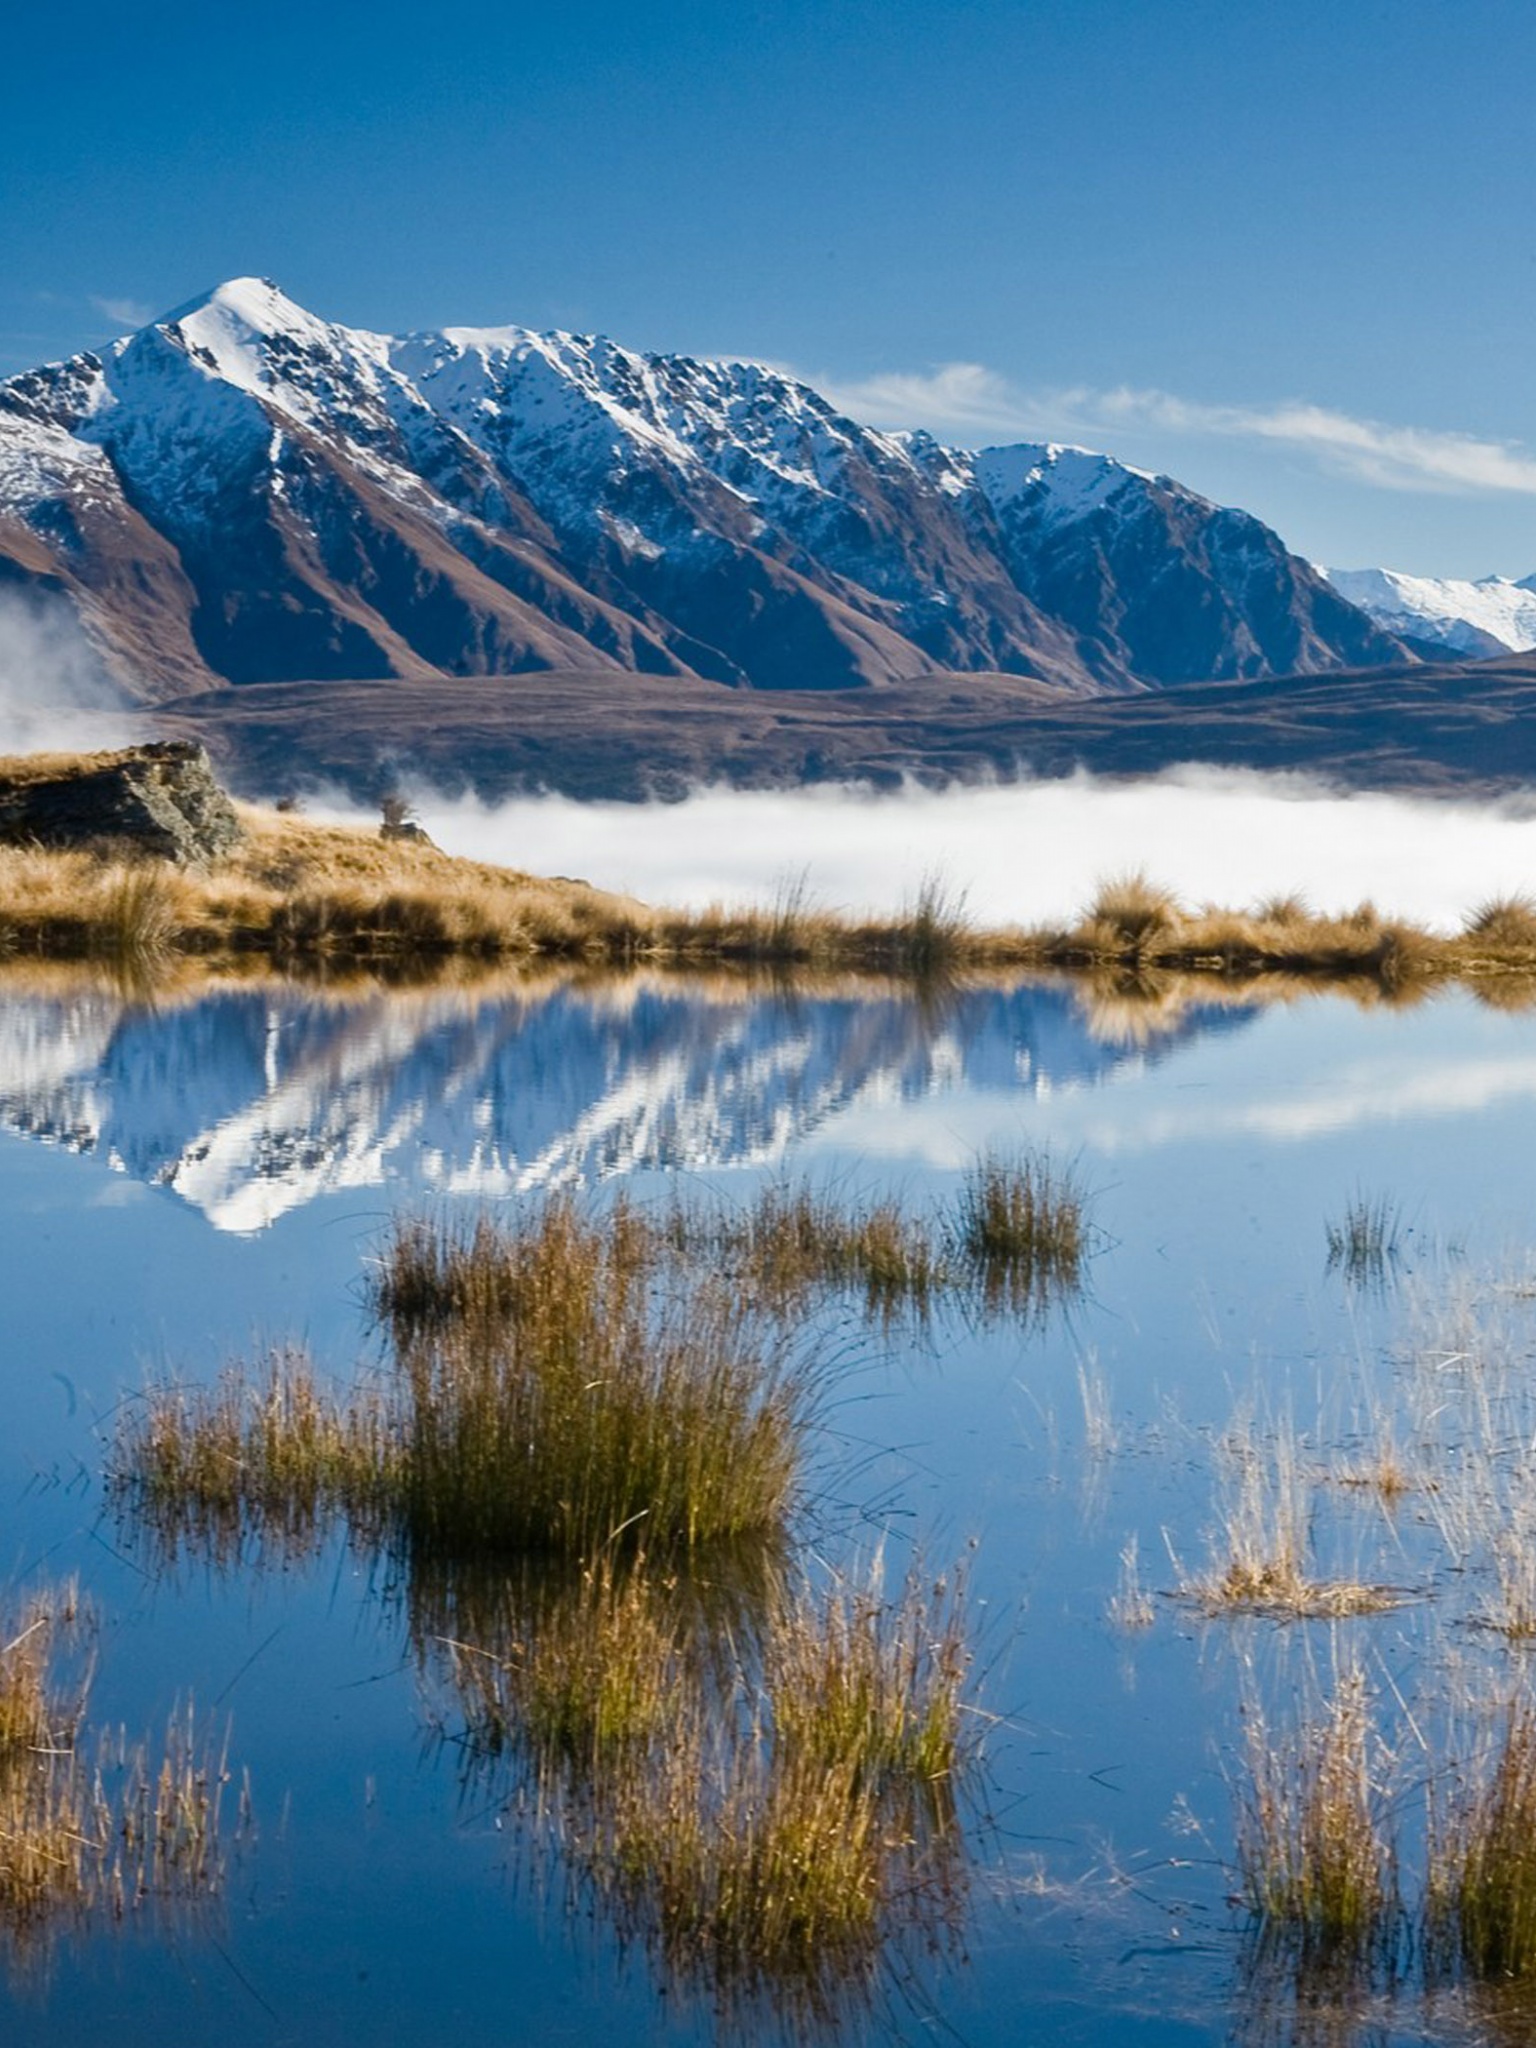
1398	458
969	400
126	312
953	398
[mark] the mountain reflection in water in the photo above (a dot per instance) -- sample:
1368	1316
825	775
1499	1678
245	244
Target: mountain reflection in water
250	1102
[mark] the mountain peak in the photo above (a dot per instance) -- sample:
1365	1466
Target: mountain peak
255	302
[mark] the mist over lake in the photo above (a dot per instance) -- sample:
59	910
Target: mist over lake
1032	851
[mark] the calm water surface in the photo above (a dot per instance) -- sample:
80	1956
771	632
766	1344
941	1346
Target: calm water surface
189	1181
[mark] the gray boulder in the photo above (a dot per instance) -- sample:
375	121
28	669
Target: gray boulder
160	799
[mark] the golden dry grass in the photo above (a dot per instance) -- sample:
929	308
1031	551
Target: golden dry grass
298	890
1260	1561
1481	1895
765	1806
1318	1870
556	1384
580	1474
89	1824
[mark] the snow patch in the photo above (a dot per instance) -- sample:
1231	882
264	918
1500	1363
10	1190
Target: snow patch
1445	610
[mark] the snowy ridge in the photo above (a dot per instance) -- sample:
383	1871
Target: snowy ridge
1460	616
1071	483
278	497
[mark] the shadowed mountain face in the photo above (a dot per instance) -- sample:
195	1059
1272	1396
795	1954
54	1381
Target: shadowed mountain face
244	493
249	1105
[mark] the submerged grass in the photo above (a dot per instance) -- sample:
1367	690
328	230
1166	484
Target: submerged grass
765	1821
1261	1545
1481	1910
1021	1230
1318	1871
90	1825
1365	1243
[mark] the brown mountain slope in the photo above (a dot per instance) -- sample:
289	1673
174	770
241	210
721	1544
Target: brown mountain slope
1465	728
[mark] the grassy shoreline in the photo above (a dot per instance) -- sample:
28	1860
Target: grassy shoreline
303	895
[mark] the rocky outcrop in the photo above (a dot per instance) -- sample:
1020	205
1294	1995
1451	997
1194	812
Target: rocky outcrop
159	799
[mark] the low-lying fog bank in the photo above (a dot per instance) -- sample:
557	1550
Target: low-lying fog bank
1029	852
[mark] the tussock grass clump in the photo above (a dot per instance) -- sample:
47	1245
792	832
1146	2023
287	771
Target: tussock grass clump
556	1384
143	910
1020	1227
931	936
269	1453
1318	1871
1481	1906
99	904
536	1270
581	1471
1504	921
791	1240
1288	907
1016	1236
1385	1471
586	1390
1129	911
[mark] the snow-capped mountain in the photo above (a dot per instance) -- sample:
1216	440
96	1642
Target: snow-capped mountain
1490	616
249	1104
243	492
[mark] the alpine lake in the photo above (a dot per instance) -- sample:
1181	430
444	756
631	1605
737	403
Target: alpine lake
1249	1503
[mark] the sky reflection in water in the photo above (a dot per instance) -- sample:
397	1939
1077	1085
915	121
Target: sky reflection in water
182	1183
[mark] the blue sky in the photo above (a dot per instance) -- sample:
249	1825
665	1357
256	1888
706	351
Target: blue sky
1282	250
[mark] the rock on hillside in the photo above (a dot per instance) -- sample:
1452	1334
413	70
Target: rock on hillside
157	799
